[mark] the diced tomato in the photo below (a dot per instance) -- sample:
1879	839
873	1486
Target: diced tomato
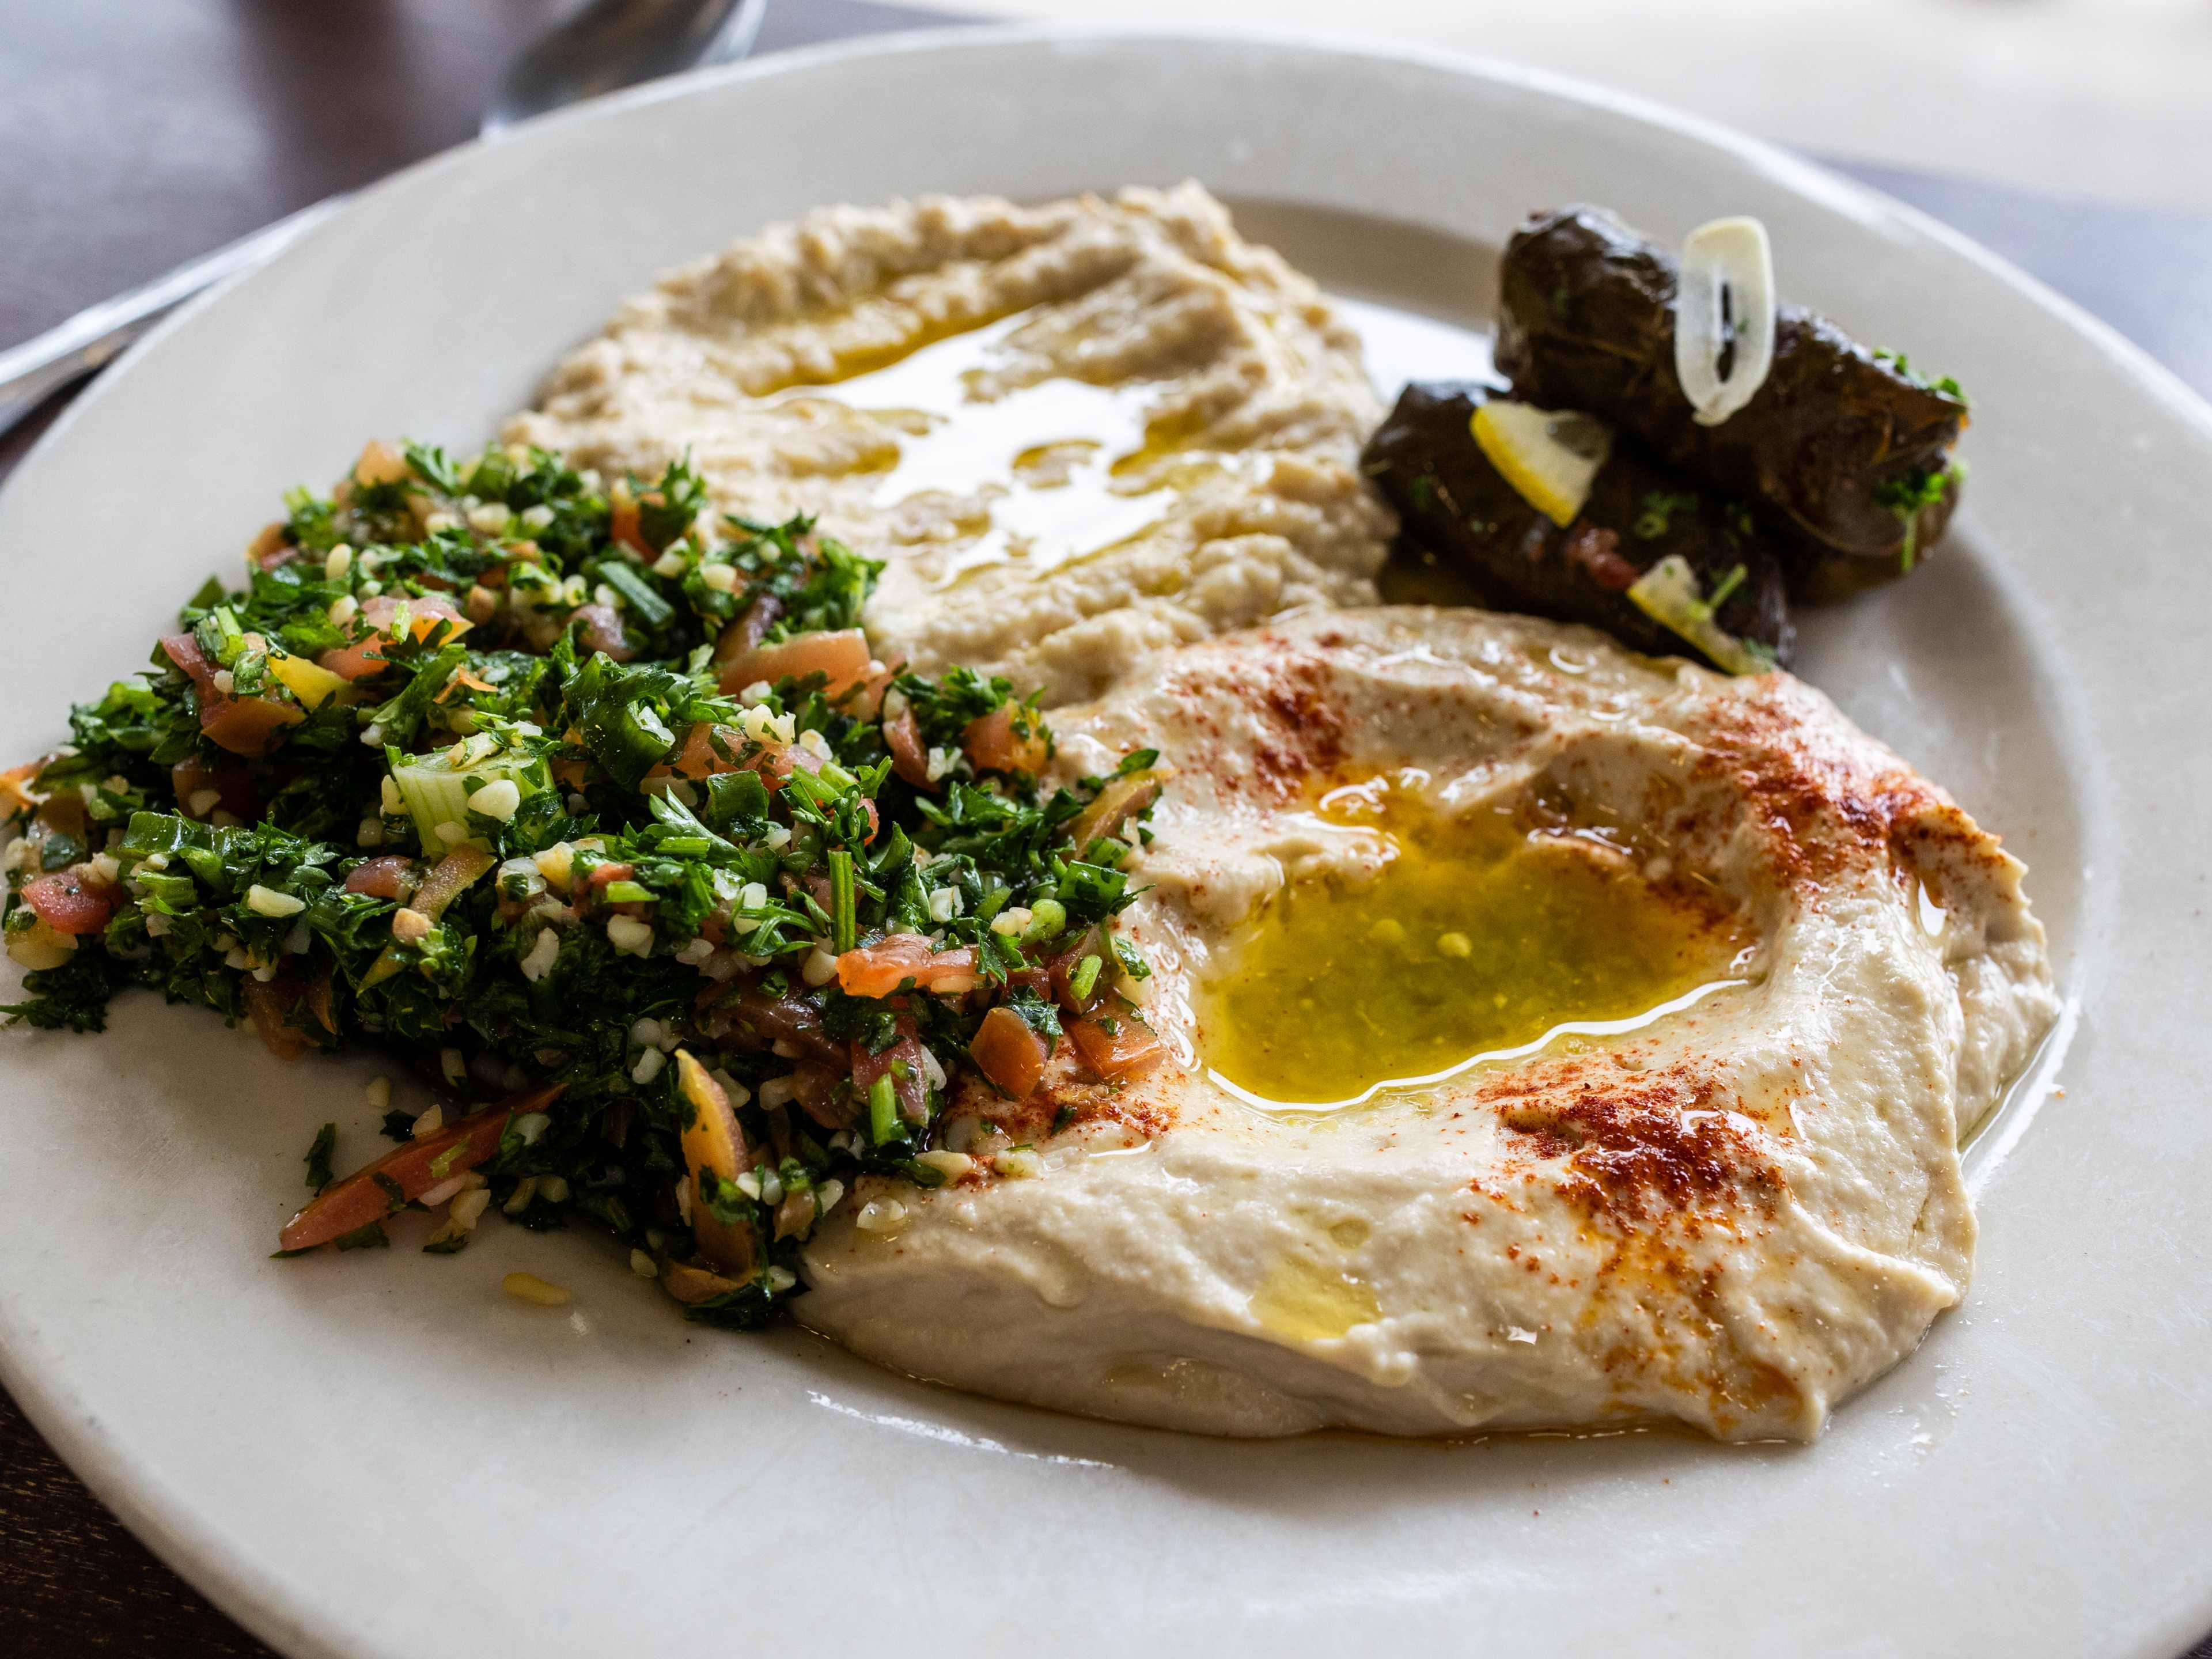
759	1022
1128	1051
697	756
816	1090
902	1063
746	630
840	657
184	650
1033	980
605	875
270	1004
70	902
424	612
453	876
269	550
365	656
879	970
779	764
391	877
1061	972
623	521
234	787
349	1205
249	725
993	744
1117	803
245	726
600	629
359	660
1009	1052
908	759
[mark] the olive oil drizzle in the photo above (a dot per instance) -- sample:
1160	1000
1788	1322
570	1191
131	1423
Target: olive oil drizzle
1479	941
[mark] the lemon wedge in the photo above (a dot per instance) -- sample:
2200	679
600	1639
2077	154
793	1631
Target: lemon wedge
310	682
1669	594
1549	455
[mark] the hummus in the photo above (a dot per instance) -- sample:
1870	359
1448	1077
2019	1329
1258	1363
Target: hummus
1074	433
1733	1209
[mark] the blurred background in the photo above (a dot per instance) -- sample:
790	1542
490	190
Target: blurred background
2110	100
2072	136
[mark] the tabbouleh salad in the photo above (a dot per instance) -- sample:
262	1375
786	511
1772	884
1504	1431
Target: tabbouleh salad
602	815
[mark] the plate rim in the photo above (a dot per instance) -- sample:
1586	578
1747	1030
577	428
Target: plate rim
165	1519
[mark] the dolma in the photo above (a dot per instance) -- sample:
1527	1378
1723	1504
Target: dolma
1844	451
1424	459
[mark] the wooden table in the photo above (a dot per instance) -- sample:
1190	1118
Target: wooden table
137	133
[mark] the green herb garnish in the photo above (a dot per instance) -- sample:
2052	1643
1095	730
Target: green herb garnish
600	854
1659	510
319	1174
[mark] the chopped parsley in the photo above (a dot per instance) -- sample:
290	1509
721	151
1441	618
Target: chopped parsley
477	768
319	1175
1908	498
1902	365
1658	512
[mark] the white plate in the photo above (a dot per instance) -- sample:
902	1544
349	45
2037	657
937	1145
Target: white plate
384	1457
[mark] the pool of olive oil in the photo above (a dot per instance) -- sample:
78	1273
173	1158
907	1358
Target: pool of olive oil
1478	937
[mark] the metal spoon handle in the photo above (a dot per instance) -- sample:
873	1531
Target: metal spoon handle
34	370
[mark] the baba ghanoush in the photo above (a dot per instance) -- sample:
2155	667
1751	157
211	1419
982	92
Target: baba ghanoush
1074	433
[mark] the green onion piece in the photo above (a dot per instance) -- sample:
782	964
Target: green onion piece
1668	594
1048	918
845	930
1084	980
652	610
1722	588
435	791
628	892
319	1174
883	1110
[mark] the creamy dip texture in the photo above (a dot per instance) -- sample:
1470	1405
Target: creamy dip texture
1075	433
1734	1201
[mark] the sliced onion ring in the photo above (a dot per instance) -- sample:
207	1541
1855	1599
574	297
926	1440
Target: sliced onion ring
1730	257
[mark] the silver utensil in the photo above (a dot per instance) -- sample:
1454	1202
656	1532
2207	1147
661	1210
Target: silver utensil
608	44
